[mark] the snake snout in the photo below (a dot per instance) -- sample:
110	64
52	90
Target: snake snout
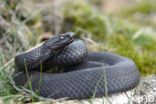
71	34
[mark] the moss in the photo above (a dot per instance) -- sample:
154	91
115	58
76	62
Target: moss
143	57
81	15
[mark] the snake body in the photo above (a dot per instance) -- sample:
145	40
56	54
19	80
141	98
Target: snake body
84	73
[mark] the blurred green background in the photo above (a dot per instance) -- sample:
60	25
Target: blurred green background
126	27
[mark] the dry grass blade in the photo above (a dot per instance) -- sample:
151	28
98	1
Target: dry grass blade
8	63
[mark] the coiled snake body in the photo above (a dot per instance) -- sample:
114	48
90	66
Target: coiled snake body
84	73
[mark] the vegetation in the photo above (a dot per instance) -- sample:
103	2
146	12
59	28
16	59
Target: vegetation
129	32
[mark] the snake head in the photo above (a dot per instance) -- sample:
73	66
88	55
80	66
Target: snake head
59	41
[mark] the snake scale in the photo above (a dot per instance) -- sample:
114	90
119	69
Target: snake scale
84	73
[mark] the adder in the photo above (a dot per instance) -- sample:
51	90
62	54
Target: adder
81	73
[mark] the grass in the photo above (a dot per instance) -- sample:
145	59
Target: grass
104	79
21	28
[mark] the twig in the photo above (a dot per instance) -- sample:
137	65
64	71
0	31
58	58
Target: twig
7	64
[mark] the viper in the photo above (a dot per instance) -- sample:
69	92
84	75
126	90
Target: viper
80	73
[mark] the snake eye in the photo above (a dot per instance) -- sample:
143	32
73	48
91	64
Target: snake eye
61	37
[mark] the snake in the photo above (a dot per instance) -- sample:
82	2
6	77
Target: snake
80	73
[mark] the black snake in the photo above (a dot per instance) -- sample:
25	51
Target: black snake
83	73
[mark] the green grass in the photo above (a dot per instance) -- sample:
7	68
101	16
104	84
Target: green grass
122	32
103	78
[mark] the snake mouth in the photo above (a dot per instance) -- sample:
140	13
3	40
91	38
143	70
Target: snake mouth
60	41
